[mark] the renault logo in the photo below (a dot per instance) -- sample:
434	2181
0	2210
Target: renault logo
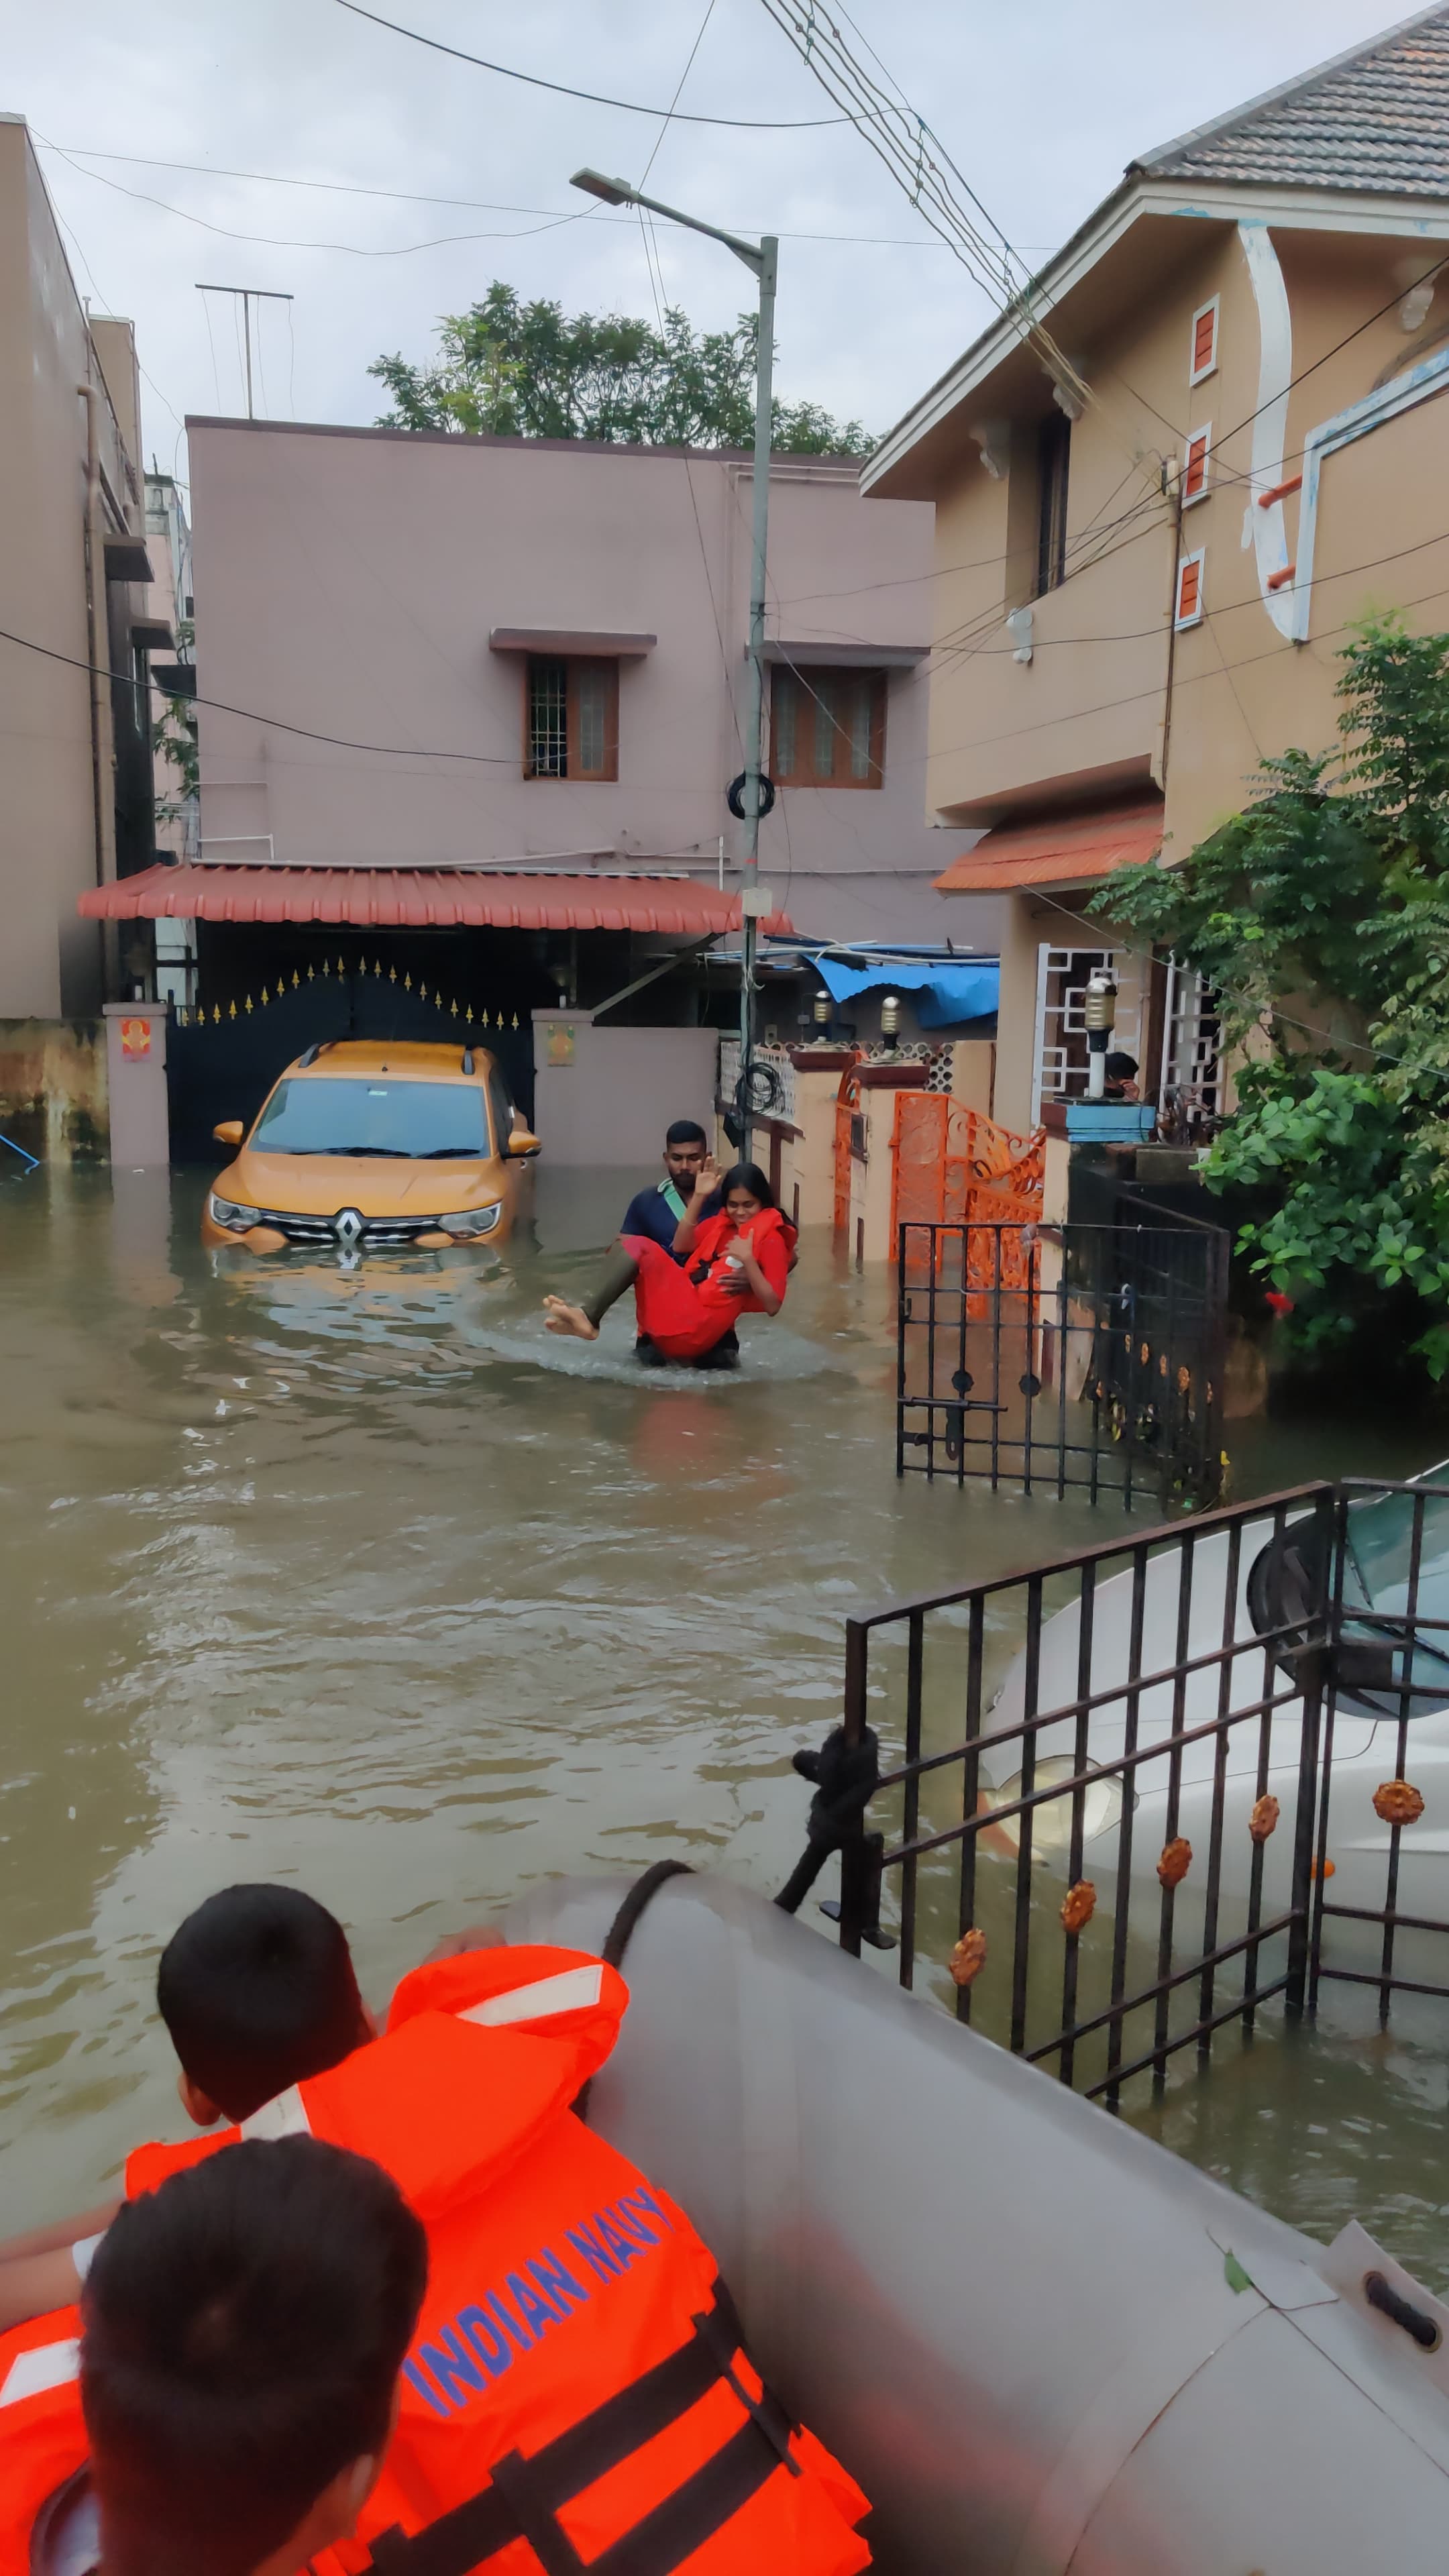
347	1226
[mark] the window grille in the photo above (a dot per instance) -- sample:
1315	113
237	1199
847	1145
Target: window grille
1061	1028
548	730
1191	1038
572	719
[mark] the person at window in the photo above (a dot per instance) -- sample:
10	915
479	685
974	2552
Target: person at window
1120	1078
734	1263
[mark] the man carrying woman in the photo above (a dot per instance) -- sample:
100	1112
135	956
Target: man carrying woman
687	1297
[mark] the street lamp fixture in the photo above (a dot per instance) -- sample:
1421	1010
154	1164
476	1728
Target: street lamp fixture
761	258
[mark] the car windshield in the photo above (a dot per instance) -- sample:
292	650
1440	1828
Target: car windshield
414	1120
1376	1579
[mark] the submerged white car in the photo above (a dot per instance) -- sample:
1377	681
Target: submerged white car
1251	1744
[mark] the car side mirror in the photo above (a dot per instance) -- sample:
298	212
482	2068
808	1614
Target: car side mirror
522	1145
230	1132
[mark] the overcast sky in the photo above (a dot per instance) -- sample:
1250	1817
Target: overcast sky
1040	103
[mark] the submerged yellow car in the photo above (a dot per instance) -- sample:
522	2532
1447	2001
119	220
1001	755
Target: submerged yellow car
368	1146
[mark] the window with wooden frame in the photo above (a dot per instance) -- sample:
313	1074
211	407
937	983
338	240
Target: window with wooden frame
1204	342
827	727
1053	467
1197	460
1189	590
570	718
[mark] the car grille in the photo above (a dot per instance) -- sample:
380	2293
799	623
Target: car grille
378	1234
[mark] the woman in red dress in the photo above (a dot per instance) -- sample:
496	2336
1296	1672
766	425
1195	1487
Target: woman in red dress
721	1267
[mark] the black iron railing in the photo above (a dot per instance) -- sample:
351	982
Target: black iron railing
1115	1785
1078	1355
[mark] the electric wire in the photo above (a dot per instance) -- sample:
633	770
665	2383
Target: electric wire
908	149
507	760
562	89
275	241
79	153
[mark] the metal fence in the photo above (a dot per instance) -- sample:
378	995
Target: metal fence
1141	1793
1079	1355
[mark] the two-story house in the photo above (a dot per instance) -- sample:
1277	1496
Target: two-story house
75	749
469	712
1166	486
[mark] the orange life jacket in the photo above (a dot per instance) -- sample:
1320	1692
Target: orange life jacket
576	2390
773	1240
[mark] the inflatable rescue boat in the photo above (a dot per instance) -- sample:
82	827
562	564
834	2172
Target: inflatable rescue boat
1039	2340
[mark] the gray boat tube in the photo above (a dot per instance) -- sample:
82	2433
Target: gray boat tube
1039	2340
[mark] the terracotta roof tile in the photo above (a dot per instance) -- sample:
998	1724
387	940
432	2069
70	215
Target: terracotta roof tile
1373	119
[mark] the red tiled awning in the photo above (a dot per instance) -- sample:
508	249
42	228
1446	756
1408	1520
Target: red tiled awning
420	899
1058	850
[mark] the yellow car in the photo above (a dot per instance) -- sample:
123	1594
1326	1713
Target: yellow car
366	1146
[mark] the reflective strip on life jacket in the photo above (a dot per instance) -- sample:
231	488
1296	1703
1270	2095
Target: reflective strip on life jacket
48	2365
572	1990
522	2497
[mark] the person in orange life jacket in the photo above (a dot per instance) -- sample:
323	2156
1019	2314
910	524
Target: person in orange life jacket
734	1263
243	2329
257	1989
572	2305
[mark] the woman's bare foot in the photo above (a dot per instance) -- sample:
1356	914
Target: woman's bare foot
559	1318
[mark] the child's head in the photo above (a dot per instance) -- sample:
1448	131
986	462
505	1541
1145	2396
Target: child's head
258	1991
243	2330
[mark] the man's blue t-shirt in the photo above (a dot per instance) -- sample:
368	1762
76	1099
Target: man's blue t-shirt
656	1212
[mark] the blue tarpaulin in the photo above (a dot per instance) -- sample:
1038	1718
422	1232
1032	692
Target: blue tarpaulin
945	993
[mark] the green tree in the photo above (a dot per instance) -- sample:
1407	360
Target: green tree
533	371
174	741
1321	916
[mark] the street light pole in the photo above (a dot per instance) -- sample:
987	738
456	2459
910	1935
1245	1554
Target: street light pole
762	258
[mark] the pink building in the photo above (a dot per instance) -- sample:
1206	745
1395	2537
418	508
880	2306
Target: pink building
486	696
571	619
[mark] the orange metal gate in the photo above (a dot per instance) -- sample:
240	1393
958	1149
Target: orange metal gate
953	1166
847	1132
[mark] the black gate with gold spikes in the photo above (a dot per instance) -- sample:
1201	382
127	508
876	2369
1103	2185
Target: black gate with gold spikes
1065	1356
263	998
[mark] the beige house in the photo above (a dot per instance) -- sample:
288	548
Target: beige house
75	756
1163	496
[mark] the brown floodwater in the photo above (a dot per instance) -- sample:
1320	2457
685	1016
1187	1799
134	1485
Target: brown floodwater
355	1577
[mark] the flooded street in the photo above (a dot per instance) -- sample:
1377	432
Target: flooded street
357	1578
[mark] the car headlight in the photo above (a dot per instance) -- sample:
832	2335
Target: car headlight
235	1218
471	1220
1051	1823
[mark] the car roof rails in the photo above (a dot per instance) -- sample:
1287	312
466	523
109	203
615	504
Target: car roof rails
318	1047
468	1066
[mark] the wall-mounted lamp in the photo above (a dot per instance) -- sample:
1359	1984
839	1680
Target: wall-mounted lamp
823	1008
1099	1011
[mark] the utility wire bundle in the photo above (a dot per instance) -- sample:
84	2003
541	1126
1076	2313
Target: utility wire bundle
922	167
